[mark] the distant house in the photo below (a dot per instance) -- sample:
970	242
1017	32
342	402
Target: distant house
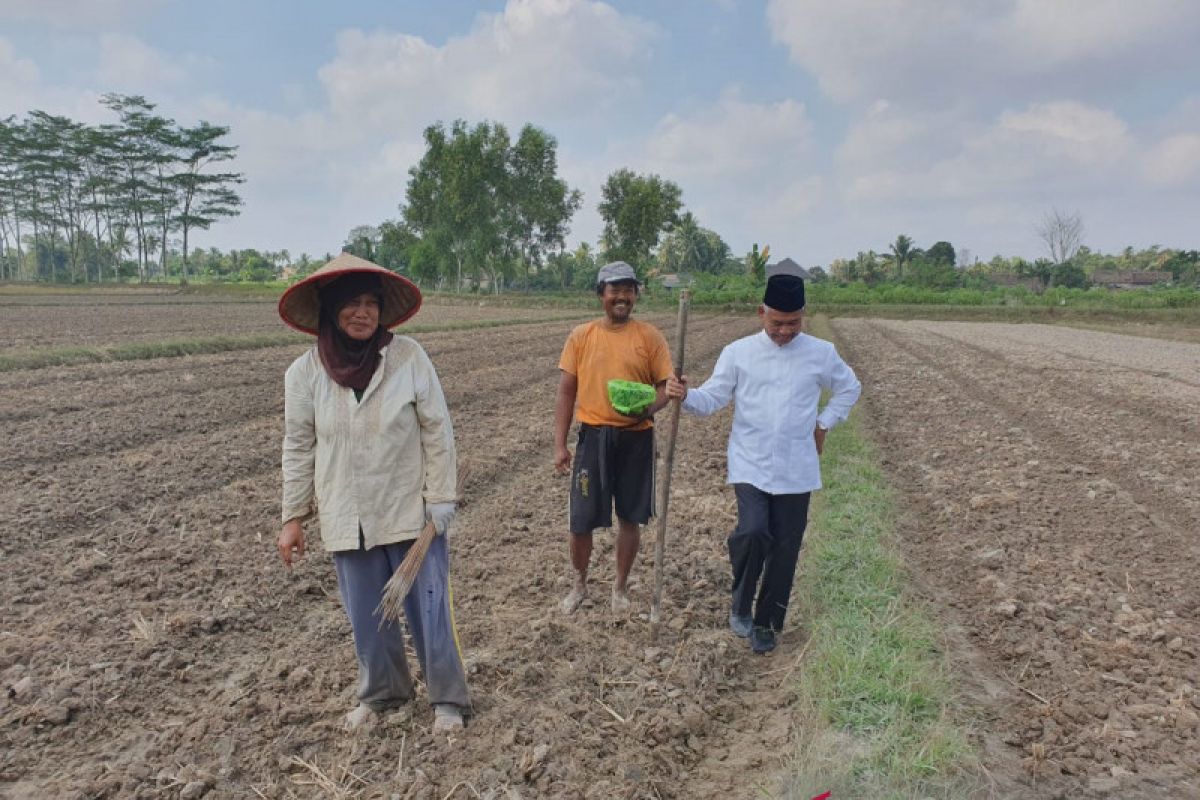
1129	278
788	267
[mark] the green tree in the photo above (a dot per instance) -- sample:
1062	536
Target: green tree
1070	275
11	253
395	242
454	200
1042	269
36	186
868	268
1184	265
933	273
540	203
45	166
691	248
254	266
637	210
756	264
482	205
362	241
941	253
100	202
139	148
902	254
202	197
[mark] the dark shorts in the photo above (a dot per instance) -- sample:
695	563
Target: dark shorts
611	465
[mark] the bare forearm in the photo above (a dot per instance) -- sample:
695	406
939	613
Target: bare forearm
564	410
660	400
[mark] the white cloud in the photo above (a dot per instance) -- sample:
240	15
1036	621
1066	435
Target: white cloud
540	61
128	62
23	89
889	134
534	59
732	140
936	53
1065	130
781	212
1043	147
874	48
14	70
746	168
959	121
1067	31
1175	160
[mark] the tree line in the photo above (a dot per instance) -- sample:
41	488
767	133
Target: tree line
90	202
1068	263
481	211
484	211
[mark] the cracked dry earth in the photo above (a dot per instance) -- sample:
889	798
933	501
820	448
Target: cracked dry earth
1051	483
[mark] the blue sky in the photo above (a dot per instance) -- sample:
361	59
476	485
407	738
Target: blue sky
819	128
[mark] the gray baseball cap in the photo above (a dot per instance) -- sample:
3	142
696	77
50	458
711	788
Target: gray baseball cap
616	271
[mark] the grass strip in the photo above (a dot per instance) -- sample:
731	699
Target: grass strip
875	705
136	351
1049	315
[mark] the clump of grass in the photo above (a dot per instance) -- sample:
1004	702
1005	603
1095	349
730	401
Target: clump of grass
876	708
137	351
144	630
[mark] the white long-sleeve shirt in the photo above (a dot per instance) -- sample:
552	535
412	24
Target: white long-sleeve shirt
375	461
775	391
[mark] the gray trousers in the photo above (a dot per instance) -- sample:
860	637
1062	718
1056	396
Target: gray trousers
383	678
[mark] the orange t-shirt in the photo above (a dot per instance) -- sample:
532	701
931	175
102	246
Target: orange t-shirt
595	354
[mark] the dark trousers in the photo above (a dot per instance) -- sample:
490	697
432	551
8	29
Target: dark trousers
766	545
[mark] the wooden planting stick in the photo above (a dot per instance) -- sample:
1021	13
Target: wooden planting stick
685	298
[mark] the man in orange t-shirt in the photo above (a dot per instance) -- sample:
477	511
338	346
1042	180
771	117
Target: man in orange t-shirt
614	456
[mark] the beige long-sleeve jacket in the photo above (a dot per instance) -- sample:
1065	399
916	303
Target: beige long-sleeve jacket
374	462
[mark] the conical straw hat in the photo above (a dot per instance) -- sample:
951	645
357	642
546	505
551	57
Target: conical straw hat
300	306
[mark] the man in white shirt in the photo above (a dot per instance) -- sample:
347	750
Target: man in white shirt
775	379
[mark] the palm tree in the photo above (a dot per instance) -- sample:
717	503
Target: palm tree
902	253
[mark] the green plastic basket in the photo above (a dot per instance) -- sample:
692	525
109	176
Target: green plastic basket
629	397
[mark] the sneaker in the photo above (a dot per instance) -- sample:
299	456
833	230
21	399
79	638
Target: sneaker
740	625
447	718
360	717
762	639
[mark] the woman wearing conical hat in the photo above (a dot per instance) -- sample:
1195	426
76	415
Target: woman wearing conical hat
368	449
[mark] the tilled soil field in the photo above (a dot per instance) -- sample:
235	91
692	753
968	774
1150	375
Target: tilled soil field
1052	482
99	318
152	646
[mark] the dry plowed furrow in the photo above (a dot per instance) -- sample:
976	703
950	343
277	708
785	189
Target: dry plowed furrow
175	594
1068	565
1160	465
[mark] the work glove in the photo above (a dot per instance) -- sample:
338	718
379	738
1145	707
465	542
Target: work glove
441	515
